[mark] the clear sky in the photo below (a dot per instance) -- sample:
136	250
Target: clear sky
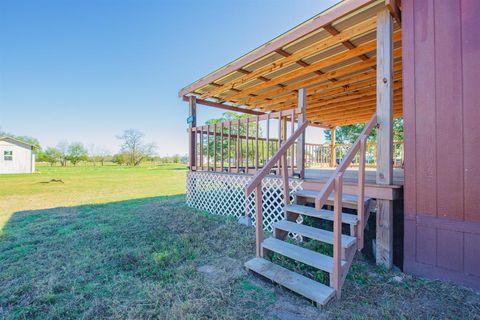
86	70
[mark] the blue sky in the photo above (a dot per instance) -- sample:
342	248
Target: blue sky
86	70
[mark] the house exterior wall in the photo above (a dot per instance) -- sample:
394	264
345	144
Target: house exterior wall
23	158
441	69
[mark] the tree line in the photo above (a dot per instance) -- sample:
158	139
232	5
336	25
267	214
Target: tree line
133	151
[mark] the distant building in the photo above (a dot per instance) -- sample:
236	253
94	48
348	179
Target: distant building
16	156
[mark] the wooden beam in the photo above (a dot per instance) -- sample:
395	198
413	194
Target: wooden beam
341	71
394	9
289	59
343	56
384	242
223	106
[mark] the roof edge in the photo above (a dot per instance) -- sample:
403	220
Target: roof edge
19	141
324	18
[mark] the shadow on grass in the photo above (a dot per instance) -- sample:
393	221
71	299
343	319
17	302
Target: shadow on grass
143	258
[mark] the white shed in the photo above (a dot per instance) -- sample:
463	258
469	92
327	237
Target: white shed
16	156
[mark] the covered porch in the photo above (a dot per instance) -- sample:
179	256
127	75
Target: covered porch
342	67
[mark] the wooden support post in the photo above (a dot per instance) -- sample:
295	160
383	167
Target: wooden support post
333	156
192	112
361	193
337	235
259	220
302	106
384	242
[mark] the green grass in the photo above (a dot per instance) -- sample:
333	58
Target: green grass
118	242
86	185
129	259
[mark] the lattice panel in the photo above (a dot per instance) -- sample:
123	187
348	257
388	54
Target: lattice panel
224	194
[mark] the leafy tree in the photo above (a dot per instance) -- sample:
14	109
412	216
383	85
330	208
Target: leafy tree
76	153
348	134
120	158
134	147
52	155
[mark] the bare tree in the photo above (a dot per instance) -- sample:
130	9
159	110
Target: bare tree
98	153
62	148
134	147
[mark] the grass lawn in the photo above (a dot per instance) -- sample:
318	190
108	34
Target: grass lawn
120	243
86	185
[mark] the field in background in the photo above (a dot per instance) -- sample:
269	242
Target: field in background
86	185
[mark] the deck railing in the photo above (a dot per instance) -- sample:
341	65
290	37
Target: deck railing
319	155
335	185
244	145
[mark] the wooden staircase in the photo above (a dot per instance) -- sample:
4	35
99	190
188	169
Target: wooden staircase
318	292
344	245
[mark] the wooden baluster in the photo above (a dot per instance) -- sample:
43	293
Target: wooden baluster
201	147
198	150
256	142
237	147
215	147
268	137
292	149
337	235
208	147
279	140
286	191
361	194
259	220
246	147
229	142
221	148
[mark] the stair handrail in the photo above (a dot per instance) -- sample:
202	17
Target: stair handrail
328	187
256	182
335	183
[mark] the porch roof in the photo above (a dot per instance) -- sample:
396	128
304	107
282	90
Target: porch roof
332	55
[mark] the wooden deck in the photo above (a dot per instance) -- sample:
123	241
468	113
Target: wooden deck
350	176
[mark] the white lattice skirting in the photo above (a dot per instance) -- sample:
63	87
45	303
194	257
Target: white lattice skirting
224	194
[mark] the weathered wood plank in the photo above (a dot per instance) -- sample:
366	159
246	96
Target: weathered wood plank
384	239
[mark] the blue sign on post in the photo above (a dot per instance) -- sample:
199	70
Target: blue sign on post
190	120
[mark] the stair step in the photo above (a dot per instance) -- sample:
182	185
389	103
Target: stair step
304	286
322	214
313	233
312	258
349	200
